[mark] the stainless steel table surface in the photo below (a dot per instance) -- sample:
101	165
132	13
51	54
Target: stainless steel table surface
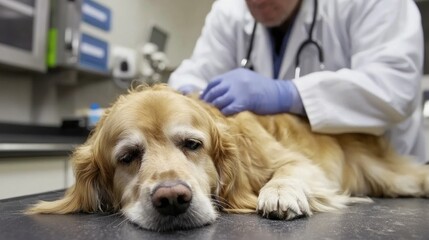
384	219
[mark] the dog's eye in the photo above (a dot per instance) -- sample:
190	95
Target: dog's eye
130	156
192	144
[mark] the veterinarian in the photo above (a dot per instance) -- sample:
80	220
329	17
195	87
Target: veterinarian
349	66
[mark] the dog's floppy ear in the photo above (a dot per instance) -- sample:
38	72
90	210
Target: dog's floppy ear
92	189
233	186
83	196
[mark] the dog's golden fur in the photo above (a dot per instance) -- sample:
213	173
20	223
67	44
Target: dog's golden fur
274	165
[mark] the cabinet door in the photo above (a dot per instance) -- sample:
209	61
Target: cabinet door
23	33
24	176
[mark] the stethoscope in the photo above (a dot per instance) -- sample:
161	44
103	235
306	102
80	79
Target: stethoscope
245	62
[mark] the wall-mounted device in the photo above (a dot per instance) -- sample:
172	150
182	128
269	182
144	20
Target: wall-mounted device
71	47
23	31
158	37
155	60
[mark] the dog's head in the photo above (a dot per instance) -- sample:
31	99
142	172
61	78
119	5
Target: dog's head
156	156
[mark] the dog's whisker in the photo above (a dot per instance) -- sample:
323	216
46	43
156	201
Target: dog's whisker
121	222
219	201
221	205
195	215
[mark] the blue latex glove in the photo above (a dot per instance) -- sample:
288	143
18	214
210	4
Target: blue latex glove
244	90
188	89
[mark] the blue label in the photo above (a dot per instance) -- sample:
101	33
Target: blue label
96	15
93	53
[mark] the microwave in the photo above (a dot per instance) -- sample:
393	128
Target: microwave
23	33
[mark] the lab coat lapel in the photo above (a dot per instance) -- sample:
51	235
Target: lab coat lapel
263	58
261	54
298	35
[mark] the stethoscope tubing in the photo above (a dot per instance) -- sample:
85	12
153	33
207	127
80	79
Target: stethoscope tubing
246	63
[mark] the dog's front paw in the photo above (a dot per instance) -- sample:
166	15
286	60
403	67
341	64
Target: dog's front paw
283	199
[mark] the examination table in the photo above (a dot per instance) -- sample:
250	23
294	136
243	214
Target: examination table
384	219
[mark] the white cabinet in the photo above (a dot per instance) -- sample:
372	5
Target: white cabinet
24	176
23	33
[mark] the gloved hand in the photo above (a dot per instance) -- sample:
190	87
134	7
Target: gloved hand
188	89
242	89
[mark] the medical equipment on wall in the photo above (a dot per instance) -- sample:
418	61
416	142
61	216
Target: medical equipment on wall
154	63
246	63
147	66
124	66
71	45
126	71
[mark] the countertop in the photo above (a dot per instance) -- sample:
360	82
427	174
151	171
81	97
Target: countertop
30	140
384	219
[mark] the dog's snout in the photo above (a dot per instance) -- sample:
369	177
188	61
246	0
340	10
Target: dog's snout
171	198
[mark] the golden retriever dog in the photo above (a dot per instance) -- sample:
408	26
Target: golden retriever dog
168	161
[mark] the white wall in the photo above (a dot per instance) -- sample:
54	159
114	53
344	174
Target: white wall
15	98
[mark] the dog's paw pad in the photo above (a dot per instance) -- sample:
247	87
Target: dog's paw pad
280	200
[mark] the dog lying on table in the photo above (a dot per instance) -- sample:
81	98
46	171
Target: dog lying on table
167	162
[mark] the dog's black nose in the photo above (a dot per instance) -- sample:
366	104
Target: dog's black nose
171	198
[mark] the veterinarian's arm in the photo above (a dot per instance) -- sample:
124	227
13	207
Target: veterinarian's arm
214	52
382	86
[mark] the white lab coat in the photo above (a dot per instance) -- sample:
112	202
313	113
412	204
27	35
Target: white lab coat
373	57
